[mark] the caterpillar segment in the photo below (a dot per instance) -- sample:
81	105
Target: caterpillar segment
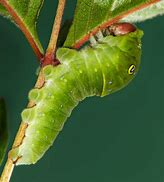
100	70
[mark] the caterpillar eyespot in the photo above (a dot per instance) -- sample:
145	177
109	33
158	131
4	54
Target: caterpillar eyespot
92	71
131	69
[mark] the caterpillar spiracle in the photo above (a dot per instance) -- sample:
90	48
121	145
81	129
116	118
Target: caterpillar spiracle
98	70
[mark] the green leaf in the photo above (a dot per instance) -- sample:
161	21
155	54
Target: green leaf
92	15
3	130
26	13
146	13
3	11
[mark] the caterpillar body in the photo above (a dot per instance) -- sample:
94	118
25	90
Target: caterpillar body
100	70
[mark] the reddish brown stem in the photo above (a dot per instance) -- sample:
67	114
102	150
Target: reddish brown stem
49	57
9	166
8	170
79	43
23	28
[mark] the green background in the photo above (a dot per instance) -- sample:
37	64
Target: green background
118	138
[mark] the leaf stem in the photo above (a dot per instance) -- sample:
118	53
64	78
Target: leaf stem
17	19
49	56
106	24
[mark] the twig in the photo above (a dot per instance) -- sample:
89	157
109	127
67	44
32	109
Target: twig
6	175
49	57
56	27
9	166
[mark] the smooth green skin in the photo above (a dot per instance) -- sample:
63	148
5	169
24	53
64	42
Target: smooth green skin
99	71
27	11
3	130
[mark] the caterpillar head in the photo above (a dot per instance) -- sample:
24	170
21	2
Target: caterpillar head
122	28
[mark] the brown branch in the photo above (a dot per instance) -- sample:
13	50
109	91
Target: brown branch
84	39
49	57
23	28
6	175
9	166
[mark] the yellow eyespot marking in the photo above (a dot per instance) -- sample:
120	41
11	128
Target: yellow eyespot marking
131	69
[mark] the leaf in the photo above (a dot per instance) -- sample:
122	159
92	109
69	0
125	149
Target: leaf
92	15
146	13
3	11
24	13
3	130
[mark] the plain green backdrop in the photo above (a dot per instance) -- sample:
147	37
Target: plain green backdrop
118	138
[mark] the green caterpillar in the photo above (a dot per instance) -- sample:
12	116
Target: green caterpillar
102	69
